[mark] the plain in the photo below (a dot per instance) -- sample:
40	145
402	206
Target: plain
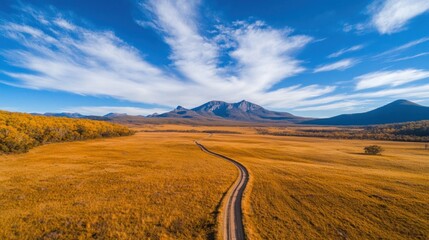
159	185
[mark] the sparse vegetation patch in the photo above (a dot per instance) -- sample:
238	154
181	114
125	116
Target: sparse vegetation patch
373	150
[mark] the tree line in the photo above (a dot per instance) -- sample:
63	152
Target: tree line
410	132
20	132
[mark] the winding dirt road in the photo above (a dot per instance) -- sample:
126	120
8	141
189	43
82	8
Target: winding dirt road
233	220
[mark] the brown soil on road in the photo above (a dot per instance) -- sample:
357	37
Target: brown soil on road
232	218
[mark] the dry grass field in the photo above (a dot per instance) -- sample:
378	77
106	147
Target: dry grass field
312	188
159	185
147	186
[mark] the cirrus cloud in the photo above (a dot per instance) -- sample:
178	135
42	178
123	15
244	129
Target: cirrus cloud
390	78
340	65
58	54
346	50
390	16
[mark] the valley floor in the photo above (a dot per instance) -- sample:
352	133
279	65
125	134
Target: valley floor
159	185
146	186
309	188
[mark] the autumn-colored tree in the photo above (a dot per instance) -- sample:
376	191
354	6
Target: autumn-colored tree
19	132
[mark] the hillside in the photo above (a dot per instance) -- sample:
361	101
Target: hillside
179	112
243	111
20	132
396	112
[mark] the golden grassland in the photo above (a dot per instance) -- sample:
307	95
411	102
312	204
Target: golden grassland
159	185
407	132
146	186
312	188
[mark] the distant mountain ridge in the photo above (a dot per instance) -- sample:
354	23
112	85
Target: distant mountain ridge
178	112
241	111
65	114
396	112
113	115
78	115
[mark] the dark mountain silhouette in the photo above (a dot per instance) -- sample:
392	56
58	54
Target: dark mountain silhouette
396	112
240	111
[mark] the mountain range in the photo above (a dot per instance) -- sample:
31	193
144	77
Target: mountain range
396	112
241	111
78	115
244	111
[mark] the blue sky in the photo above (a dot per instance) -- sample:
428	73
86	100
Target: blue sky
308	57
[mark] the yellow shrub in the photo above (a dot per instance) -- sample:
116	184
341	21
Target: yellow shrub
19	131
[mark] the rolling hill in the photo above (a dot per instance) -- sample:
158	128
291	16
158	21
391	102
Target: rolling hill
396	112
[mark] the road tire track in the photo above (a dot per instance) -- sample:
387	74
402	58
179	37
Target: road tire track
233	217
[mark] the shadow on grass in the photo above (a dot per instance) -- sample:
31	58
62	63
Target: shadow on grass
216	212
366	154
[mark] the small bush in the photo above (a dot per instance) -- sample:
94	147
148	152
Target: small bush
373	150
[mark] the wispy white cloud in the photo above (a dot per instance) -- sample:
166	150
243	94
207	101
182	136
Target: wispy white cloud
390	78
358	28
346	50
390	16
358	100
103	110
345	105
295	96
263	55
412	92
340	65
61	22
259	64
411	57
403	47
194	55
85	62
59	54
